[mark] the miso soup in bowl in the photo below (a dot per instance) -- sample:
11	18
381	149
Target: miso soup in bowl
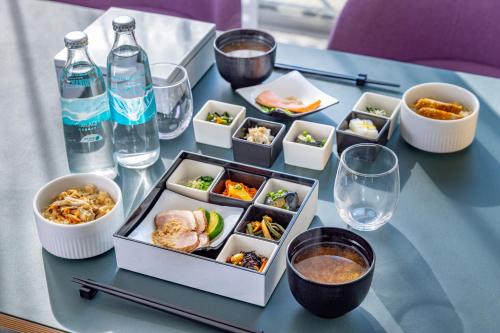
329	270
245	57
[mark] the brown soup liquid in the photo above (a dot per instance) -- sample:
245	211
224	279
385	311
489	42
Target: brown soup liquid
245	49
330	263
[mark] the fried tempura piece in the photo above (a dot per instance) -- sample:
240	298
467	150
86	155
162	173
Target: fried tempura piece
437	114
432	103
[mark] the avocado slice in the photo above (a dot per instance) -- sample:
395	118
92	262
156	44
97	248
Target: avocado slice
215	224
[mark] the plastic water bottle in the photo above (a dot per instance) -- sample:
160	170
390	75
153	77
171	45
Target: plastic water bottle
131	99
85	111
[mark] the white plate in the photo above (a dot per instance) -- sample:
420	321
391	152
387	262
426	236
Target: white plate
170	200
291	84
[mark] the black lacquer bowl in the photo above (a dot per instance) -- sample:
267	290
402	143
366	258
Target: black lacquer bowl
329	300
245	71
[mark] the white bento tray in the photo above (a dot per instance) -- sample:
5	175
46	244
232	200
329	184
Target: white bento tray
206	269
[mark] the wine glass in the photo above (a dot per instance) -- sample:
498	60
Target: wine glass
174	101
366	190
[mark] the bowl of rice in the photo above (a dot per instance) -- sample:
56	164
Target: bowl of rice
76	215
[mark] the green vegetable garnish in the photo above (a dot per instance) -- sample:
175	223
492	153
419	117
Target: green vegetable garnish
200	183
376	111
267	109
224	119
275	195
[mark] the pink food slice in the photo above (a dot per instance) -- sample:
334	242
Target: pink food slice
181	217
204	240
272	100
201	221
185	241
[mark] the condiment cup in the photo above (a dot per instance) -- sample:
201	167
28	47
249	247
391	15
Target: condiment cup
245	71
391	105
251	180
255	213
84	240
345	138
329	300
439	136
256	153
306	156
190	170
217	134
237	243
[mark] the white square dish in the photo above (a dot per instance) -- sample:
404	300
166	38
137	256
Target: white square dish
170	200
189	170
306	156
291	84
274	185
217	134
390	104
237	243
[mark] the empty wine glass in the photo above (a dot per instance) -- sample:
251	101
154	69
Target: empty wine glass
366	190
174	101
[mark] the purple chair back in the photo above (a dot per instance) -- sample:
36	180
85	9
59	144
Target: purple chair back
226	14
452	34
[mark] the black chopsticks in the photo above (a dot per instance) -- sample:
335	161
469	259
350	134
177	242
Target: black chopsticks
360	80
89	288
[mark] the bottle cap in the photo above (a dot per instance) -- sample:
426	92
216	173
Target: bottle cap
76	39
123	23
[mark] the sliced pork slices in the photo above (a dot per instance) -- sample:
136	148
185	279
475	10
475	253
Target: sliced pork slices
182	230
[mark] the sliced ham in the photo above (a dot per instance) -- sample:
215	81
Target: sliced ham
272	100
182	230
186	241
204	240
201	221
182	218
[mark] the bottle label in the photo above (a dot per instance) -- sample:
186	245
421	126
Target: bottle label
132	111
85	111
91	138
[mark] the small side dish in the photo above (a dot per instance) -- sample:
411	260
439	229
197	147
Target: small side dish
238	190
200	183
439	110
330	263
186	230
259	134
376	111
306	138
363	127
249	260
224	119
265	228
79	205
270	101
283	199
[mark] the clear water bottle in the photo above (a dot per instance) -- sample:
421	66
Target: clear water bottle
131	99
85	111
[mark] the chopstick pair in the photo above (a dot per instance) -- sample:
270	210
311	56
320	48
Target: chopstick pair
360	80
89	288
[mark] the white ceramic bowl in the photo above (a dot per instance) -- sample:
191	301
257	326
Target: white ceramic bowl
439	136
305	156
83	240
217	134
